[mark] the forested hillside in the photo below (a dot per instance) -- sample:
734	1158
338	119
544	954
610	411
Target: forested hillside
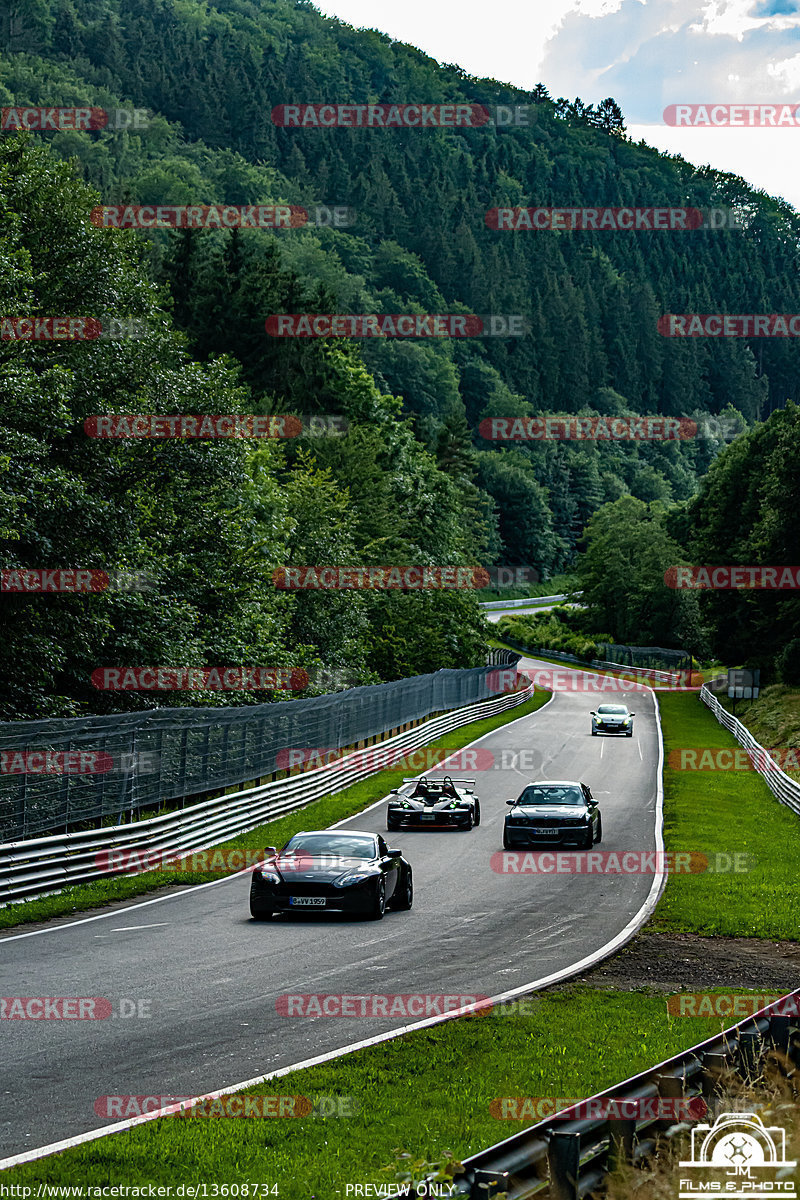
412	482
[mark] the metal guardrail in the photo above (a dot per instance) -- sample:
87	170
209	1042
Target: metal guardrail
564	1159
786	789
42	866
595	663
521	603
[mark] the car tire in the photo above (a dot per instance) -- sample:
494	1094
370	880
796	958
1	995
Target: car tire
406	897
378	909
477	812
628	733
469	822
260	914
588	840
507	845
594	732
599	837
391	826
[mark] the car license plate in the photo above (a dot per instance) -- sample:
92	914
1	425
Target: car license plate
544	830
308	901
427	816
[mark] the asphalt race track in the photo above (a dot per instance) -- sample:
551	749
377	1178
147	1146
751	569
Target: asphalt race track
213	976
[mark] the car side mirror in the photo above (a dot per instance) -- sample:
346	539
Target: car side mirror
270	850
631	714
511	802
394	792
395	853
593	713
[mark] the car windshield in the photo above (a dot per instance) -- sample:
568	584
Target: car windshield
613	710
551	795
319	844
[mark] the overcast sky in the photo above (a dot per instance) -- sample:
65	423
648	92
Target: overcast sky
647	54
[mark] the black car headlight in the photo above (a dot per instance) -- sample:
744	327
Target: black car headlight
267	876
353	878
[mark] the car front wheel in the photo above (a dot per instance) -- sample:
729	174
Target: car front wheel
260	914
588	839
477	813
594	732
507	845
599	837
379	901
406	889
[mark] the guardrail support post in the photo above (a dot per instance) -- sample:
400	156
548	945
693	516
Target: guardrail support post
779	1033
714	1067
564	1157
487	1184
748	1055
621	1135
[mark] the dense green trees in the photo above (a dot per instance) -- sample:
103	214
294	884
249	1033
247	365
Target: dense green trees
207	521
413	482
211	76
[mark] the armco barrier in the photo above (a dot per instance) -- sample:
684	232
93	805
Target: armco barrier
511	604
780	784
596	664
41	866
564	1159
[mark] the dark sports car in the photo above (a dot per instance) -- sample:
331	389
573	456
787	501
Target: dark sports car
553	812
434	804
332	870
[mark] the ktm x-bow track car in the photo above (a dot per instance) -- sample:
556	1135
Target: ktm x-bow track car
434	804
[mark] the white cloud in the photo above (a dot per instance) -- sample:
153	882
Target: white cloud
647	54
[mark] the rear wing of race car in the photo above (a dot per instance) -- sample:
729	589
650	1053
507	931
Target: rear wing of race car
469	784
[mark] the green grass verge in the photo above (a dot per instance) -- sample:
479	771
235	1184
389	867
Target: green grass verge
576	1041
319	814
725	812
